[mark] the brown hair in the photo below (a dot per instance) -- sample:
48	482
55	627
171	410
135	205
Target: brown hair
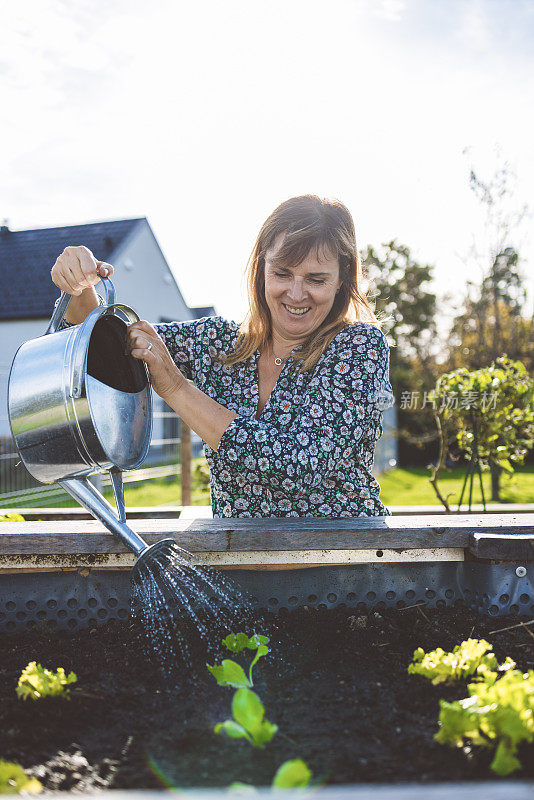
308	222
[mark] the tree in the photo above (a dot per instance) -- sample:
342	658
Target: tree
401	288
493	321
489	413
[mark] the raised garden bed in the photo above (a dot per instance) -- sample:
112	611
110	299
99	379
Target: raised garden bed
336	683
345	602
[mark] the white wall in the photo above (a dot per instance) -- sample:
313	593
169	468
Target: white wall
13	333
143	281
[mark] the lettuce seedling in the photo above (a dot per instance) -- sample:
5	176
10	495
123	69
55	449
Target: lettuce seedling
13	780
37	682
472	657
293	774
498	713
248	722
229	673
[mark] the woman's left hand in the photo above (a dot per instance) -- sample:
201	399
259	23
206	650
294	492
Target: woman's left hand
143	343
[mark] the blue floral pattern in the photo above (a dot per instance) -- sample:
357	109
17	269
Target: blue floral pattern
311	451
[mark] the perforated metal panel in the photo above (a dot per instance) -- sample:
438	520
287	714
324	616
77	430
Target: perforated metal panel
70	600
63	600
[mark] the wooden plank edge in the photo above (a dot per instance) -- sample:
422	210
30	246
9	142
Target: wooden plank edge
238	559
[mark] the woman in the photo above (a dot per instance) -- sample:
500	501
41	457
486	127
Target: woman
289	403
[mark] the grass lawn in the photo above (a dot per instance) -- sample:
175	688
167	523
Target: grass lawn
410	487
162	492
399	487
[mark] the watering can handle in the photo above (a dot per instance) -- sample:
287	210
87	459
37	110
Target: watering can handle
64	300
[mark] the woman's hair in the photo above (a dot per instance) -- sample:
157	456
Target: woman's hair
309	223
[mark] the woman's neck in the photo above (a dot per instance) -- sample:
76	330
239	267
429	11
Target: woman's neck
281	347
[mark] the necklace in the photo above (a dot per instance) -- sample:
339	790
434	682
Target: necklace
277	360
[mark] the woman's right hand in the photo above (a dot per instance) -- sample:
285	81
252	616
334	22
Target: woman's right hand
77	269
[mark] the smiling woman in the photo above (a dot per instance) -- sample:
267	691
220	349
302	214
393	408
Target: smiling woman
289	403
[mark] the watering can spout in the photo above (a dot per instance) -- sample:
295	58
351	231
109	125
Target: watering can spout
83	491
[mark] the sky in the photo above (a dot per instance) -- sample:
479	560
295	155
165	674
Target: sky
204	116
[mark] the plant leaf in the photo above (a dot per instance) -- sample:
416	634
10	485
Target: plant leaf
258	639
229	673
292	774
264	734
504	762
13	780
471	657
232	729
248	711
36	682
236	642
242	788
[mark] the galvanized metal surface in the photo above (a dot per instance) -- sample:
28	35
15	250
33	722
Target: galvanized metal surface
87	598
77	403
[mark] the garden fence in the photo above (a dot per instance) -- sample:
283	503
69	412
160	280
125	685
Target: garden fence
18	489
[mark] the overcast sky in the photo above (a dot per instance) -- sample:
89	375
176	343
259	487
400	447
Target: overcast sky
203	116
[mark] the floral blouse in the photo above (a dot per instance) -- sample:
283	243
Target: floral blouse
311	451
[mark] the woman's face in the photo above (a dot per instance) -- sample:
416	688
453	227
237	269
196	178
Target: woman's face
300	298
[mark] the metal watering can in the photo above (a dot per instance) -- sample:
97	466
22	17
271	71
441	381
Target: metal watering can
78	404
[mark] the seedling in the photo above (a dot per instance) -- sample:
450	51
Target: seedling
248	720
37	682
498	713
293	774
13	780
230	673
472	657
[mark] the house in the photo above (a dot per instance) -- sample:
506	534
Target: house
142	279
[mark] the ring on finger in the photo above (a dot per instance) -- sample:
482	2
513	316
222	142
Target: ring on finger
149	346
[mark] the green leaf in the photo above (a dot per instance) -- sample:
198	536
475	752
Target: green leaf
504	762
232	729
498	713
242	788
258	639
472	657
264	734
236	642
292	774
248	711
37	682
229	673
13	780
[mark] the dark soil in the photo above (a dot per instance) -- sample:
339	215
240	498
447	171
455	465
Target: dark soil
336	684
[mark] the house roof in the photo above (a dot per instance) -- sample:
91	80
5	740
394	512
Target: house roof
26	258
203	311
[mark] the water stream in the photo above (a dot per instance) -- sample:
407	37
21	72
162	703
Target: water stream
185	608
